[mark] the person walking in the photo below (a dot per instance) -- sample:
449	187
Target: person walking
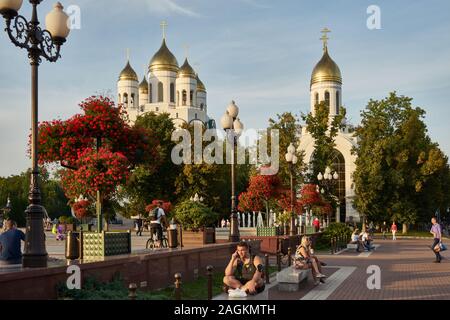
384	230
437	236
139	225
394	230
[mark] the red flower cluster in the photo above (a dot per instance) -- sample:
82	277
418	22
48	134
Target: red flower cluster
261	189
311	198
72	143
82	208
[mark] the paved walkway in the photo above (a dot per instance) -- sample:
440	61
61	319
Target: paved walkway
406	268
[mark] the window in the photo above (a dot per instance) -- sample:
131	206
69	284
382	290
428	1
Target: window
176	116
184	98
337	102
160	92
172	93
132	100
317	98
156	109
125	100
120	99
201	106
196	116
191	98
150	93
178	98
327	98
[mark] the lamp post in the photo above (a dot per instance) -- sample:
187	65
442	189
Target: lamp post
234	127
40	44
327	180
291	159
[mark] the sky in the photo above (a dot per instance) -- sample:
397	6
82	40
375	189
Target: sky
259	53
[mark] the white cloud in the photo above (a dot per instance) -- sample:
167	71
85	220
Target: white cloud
170	7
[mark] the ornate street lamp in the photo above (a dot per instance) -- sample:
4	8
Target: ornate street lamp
291	159
40	44
234	127
327	180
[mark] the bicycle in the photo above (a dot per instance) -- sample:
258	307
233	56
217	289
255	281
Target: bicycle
154	243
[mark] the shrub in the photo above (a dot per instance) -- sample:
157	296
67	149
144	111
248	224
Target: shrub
333	230
194	215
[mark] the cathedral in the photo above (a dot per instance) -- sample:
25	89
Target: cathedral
170	89
326	85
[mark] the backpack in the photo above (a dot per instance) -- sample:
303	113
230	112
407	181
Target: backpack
155	214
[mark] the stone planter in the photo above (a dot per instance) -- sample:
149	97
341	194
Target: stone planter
201	237
104	244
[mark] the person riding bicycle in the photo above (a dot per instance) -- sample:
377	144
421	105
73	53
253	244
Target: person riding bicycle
158	221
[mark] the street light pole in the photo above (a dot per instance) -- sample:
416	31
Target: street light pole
231	123
291	159
327	179
39	44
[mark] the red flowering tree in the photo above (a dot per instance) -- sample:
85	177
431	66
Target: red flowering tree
97	149
261	190
312	199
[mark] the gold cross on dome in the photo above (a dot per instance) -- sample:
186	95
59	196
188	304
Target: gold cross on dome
163	27
325	38
128	54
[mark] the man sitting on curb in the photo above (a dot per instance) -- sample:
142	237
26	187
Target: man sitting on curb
244	271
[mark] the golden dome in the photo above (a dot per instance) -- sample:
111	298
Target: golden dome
128	73
326	70
186	71
163	60
200	85
143	86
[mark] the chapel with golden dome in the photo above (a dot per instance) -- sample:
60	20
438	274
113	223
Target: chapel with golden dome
326	85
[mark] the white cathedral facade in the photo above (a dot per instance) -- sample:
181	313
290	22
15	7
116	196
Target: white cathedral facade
326	85
170	89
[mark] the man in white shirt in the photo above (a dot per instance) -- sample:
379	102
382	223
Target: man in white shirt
158	220
365	238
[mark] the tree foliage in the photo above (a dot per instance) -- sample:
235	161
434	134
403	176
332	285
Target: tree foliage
400	173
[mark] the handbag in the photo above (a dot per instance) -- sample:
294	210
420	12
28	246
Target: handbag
442	246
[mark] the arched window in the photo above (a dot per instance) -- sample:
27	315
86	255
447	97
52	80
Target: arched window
125	100
176	116
150	93
338	103
120	98
196	116
191	98
339	189
160	92
316	98
327	98
172	92
184	98
156	109
132	101
201	106
178	98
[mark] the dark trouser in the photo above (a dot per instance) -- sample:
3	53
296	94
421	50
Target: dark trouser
156	228
438	255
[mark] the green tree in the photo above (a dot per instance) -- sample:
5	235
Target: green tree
324	130
149	181
400	174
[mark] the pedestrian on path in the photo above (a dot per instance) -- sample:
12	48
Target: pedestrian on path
394	230
437	235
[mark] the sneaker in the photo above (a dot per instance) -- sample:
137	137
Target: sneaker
437	261
322	280
320	275
323	264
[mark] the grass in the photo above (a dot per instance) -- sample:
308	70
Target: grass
116	290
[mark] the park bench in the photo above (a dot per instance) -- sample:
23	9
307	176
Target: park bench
289	279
